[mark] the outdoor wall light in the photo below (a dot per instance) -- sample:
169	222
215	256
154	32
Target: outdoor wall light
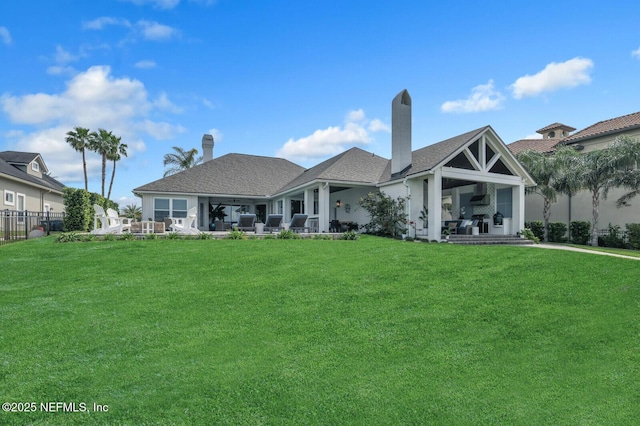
338	204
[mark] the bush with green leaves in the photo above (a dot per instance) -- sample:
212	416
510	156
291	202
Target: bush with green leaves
557	232
151	236
173	236
529	235
580	232
322	237
78	210
537	227
633	235
236	235
387	215
109	237
204	236
67	237
614	237
350	235
269	237
288	234
128	236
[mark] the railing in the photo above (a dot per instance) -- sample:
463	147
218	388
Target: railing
17	225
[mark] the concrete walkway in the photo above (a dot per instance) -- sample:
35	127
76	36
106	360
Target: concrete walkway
567	248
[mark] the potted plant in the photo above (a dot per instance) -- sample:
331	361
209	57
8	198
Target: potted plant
216	213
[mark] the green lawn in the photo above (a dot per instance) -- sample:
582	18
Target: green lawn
374	331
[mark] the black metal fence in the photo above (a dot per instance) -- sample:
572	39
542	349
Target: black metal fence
19	225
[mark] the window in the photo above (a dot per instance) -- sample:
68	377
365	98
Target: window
169	207
21	203
35	166
504	201
178	207
9	198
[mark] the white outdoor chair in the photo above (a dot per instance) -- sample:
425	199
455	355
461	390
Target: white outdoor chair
185	225
100	216
118	224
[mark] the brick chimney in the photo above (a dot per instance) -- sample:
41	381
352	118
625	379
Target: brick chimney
207	148
400	132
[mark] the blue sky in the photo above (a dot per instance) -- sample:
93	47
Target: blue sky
303	80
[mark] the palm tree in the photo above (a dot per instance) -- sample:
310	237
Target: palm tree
79	138
100	143
600	171
544	169
116	151
181	160
133	211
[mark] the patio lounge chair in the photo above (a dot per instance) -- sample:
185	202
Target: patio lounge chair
108	225
118	224
273	223
185	225
247	222
297	223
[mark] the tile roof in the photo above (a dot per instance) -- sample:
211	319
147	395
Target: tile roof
556	126
539	145
354	165
618	124
233	174
7	167
427	158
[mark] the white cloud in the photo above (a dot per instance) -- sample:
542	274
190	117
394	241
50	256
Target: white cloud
533	136
207	103
332	140
103	21
154	31
378	126
554	76
5	36
145	64
93	99
483	97
217	135
636	53
159	4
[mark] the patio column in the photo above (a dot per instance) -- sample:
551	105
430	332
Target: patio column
434	204
287	209
324	209
517	207
308	201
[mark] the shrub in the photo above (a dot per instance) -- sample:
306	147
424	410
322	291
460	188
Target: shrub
387	215
236	235
78	210
322	237
557	232
350	235
269	237
614	238
580	232
67	237
204	236
529	235
109	237
128	236
173	236
288	234
537	227
151	237
87	238
633	234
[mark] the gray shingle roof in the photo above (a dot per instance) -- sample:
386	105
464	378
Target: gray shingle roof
233	174
429	157
9	158
354	165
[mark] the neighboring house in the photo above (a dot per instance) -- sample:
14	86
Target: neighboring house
579	207
474	170
26	185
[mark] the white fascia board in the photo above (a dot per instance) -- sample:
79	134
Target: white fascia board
473	175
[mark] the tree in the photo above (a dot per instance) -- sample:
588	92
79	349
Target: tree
100	142
600	171
79	139
133	211
544	169
181	160
116	151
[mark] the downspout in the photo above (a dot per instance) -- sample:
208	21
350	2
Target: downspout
404	182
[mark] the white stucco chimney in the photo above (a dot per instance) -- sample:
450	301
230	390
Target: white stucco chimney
400	132
207	148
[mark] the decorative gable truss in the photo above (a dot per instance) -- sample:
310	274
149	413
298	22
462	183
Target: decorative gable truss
483	158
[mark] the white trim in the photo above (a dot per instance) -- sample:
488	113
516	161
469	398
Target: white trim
21	208
35	166
11	202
